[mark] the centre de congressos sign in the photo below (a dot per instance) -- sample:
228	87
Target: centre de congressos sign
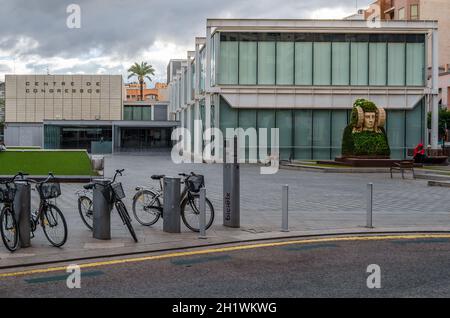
66	87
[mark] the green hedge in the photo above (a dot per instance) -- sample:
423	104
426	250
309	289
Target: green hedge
41	162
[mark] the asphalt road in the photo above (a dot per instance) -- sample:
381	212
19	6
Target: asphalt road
412	267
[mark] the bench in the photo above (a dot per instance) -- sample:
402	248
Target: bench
436	158
402	166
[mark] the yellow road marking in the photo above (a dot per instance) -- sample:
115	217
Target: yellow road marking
229	249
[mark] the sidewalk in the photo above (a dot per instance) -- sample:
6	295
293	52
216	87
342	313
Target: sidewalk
318	204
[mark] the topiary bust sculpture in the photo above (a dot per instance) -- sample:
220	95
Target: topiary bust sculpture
365	135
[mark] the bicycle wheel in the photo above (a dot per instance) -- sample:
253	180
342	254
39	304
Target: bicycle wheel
54	225
9	229
122	210
86	210
190	213
146	207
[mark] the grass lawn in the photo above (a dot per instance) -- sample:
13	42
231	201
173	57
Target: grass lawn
41	162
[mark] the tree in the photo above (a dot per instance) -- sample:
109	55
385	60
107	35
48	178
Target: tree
141	71
444	121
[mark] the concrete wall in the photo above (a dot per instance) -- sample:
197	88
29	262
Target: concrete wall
439	10
35	98
23	134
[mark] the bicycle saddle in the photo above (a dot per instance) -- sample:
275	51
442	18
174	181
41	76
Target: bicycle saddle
89	186
157	176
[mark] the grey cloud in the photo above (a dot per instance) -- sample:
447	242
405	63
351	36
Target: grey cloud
4	68
127	28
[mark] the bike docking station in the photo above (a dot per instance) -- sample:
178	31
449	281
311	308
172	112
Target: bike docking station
102	210
172	211
231	184
22	207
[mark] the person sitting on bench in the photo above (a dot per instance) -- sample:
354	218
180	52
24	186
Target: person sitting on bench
419	154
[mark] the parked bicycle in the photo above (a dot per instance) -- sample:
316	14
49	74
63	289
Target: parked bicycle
114	194
85	205
148	203
9	227
48	215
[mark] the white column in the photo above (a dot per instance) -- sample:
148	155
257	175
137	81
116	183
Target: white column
207	122
208	60
434	90
197	70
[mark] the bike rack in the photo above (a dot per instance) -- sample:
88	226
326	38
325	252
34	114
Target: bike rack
102	210
172	197
22	209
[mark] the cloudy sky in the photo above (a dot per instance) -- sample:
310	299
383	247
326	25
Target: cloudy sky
34	36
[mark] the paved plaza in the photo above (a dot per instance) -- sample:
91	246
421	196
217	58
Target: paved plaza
317	202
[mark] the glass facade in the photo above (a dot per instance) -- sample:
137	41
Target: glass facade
141	139
92	138
137	113
321	59
317	134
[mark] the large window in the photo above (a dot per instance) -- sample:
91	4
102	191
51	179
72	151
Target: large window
322	63
359	63
285	63
247	63
229	63
377	64
414	13
322	59
401	14
303	134
266	63
341	63
284	123
396	64
415	64
303	63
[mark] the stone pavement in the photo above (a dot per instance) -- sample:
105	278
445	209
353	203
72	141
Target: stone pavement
319	203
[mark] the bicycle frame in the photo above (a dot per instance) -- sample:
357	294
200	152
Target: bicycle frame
159	193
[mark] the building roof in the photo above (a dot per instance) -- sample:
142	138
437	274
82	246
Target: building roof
320	25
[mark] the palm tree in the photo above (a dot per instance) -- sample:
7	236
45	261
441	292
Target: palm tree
141	71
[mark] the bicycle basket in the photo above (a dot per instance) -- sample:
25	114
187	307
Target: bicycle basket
7	192
117	191
195	183
49	190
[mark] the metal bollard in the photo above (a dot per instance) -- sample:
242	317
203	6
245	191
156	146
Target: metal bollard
172	197
22	208
102	211
369	205
284	208
202	216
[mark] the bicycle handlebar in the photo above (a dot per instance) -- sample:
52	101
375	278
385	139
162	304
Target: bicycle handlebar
118	172
19	174
187	175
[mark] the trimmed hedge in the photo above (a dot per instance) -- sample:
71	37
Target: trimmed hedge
365	143
41	162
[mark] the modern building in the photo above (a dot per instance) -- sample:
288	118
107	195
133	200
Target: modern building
302	76
81	112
